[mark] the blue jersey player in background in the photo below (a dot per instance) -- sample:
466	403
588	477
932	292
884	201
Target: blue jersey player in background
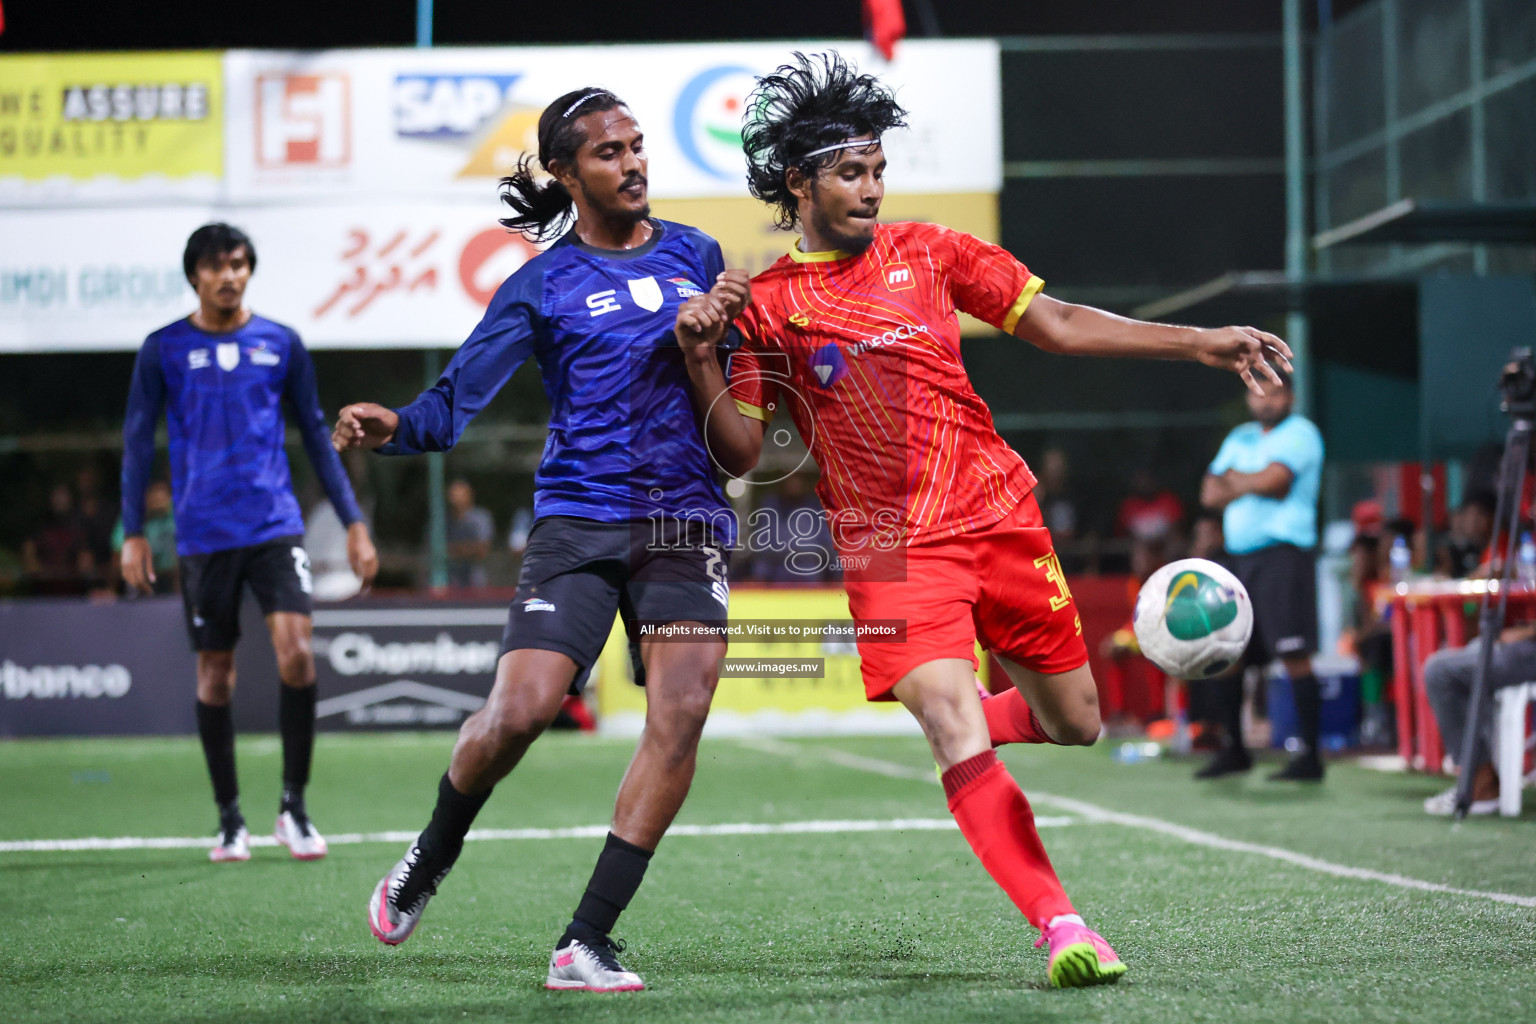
222	375
629	515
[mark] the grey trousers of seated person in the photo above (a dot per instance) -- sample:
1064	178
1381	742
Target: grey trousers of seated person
1448	683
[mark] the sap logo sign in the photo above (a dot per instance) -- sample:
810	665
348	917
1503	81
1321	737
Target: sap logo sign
448	106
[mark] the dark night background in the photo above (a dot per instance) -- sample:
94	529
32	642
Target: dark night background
319	24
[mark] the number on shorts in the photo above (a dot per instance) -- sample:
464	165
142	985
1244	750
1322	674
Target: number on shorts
301	566
715	563
1052	566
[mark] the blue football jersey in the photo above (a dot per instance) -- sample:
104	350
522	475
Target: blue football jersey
624	438
223	395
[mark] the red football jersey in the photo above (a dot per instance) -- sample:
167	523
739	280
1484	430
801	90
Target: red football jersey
866	351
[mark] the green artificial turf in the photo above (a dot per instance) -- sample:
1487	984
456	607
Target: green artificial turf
873	926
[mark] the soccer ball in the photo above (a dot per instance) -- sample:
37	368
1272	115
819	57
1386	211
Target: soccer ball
1193	619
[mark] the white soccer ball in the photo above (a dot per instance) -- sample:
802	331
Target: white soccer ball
1193	619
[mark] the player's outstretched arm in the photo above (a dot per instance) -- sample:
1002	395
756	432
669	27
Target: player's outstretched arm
1071	329
364	425
735	441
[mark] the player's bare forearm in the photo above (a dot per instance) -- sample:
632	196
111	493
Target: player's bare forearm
361	554
1071	329
734	440
364	425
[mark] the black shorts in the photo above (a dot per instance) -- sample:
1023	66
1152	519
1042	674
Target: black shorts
211	586
577	573
1282	581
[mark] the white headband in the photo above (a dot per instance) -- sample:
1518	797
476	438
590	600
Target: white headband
579	102
849	144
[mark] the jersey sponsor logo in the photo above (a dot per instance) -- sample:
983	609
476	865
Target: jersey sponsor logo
197	359
801	319
538	604
828	364
263	356
686	289
646	293
304	120
603	302
898	277
228	355
448	106
891	337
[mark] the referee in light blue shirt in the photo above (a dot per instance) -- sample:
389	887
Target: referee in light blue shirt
1264	481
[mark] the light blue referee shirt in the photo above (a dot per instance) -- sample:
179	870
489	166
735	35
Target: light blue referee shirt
1252	521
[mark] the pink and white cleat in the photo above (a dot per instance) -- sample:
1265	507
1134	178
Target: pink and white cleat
296	832
233	844
1079	956
591	967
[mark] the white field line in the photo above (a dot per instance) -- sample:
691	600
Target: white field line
780	828
1095	813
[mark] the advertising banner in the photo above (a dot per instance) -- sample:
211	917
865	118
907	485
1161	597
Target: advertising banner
72	668
347	124
97	127
792	669
353	276
363	276
380	663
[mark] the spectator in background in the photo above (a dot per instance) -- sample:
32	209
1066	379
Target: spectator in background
1448	676
1463	548
97	521
56	559
1058	507
1265	480
160	532
1207	540
325	535
1150	512
788	536
470	529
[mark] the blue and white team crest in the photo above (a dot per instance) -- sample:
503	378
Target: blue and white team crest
228	355
828	365
646	293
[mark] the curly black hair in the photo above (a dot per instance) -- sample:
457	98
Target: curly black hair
816	101
542	209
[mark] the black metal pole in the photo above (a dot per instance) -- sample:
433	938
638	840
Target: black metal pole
1517	449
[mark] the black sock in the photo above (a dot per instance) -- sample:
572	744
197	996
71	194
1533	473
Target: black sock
1309	710
444	835
296	723
620	869
1229	710
216	728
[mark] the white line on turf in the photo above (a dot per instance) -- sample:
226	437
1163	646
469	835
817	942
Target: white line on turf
745	828
1095	813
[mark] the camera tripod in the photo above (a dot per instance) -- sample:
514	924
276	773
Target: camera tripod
1518	386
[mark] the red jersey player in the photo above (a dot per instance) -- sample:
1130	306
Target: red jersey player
855	330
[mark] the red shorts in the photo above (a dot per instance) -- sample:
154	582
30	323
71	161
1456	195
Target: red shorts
1002	585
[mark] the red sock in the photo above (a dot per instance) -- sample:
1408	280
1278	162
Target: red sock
1010	720
996	820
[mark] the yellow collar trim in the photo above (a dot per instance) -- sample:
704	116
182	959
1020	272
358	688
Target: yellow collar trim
815	257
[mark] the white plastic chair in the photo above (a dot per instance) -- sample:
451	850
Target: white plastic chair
1510	743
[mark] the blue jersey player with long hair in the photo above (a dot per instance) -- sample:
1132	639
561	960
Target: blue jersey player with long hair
222	375
629	515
